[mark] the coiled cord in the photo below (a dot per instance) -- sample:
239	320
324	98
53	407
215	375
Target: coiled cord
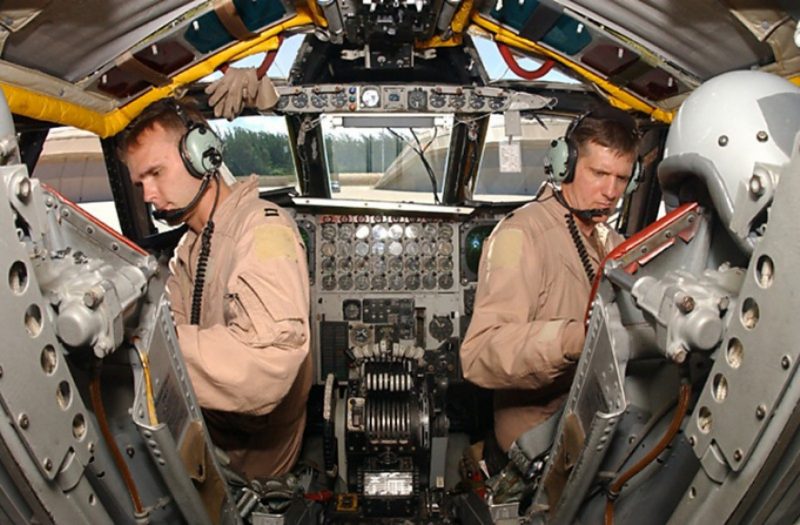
200	275
202	259
578	242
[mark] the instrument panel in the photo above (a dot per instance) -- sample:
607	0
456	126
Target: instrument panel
390	283
341	98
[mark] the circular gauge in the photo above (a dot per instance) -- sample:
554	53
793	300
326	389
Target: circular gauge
395	264
346	264
428	264
378	282
445	264
426	247
300	100
437	100
329	232
445	247
497	103
378	248
370	97
362	232
328	265
396	231
343	248
361	263
346	231
476	101
412	281
412	249
339	99
445	281
362	281
457	101
440	327
283	101
380	232
378	266
429	281
360	335
328	282
319	101
430	230
417	100
395	248
362	249
345	282
412	264
396	282
412	231
352	309
328	249
445	231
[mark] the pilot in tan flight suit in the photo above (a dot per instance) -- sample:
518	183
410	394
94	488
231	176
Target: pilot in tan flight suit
526	332
238	289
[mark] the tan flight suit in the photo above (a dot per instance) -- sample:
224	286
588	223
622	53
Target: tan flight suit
526	332
249	358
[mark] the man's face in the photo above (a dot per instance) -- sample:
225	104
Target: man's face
155	165
601	176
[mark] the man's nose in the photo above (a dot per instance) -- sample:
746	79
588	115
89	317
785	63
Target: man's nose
149	192
612	188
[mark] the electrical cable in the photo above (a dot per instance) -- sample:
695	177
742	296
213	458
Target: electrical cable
578	242
202	259
425	163
615	487
148	387
102	420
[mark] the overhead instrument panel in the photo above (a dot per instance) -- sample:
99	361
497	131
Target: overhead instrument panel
338	98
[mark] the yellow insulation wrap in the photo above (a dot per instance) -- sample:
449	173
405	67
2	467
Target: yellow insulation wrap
618	96
47	108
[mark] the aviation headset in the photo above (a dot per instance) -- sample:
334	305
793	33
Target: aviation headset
200	147
561	158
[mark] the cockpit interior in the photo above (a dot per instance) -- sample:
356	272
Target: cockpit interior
402	133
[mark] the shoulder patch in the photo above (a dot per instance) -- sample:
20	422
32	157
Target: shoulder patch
506	249
274	240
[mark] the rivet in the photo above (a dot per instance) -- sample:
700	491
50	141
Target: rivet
761	411
785	362
23	421
686	304
692	440
762	136
737	454
723	140
48	465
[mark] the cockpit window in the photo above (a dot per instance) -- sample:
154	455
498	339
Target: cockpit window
258	145
387	159
512	168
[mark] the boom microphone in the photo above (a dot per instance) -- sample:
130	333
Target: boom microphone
174	216
585	215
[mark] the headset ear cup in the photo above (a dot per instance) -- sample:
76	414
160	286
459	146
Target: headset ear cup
201	150
557	160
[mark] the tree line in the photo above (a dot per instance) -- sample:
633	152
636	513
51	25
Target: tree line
267	153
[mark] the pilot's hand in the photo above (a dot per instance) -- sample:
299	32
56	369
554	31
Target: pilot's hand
229	94
573	339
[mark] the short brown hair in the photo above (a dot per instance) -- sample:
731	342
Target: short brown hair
608	127
172	114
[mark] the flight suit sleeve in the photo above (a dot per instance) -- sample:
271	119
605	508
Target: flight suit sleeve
508	344
180	312
248	364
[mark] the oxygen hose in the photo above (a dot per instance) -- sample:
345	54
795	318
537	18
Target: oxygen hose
675	425
102	420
